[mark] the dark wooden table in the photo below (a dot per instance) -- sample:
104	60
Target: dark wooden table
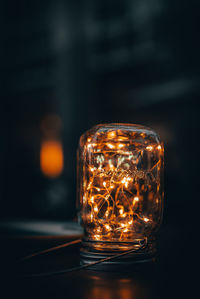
172	276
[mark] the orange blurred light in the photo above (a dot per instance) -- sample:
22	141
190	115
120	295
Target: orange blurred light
51	158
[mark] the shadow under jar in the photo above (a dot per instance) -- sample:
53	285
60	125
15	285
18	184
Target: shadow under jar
120	192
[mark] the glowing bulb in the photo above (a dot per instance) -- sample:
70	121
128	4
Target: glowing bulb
136	198
146	219
123	181
110	145
130	222
97	237
125	230
104	184
111	134
107	227
149	148
159	147
92	199
96	209
121	211
106	213
111	165
120	145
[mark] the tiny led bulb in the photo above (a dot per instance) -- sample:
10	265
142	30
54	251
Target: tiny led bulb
121	211
107	227
159	147
110	145
96	209
104	184
97	237
92	199
136	198
111	134
146	219
149	148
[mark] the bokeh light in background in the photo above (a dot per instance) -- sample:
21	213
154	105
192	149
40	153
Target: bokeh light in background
68	65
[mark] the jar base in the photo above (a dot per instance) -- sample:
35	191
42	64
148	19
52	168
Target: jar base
138	257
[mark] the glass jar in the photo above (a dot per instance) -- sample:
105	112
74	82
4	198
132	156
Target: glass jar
120	189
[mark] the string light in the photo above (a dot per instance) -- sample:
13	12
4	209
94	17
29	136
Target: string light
149	147
119	186
146	219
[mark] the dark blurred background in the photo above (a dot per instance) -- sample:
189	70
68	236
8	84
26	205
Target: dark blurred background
68	65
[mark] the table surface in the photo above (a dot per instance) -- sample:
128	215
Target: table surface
171	276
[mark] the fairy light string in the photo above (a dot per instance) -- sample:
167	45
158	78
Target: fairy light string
117	188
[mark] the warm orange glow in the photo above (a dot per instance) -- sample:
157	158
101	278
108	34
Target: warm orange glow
51	158
146	219
150	147
120	184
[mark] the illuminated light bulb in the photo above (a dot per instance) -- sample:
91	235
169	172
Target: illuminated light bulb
111	134
51	158
107	227
110	145
149	148
126	184
84	199
111	186
96	209
97	237
121	211
136	198
106	213
89	145
111	165
146	219
120	145
123	181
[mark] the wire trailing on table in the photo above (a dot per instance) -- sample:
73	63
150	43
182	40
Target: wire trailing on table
78	268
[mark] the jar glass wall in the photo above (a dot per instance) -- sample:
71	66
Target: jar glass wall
120	186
